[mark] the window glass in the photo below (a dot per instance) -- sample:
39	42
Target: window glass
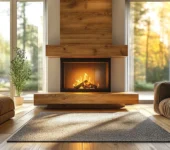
149	45
4	48
30	38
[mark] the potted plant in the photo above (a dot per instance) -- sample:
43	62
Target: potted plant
20	72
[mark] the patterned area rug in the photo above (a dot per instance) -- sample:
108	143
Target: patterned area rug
91	127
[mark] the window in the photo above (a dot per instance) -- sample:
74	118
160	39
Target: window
149	45
4	47
27	17
30	38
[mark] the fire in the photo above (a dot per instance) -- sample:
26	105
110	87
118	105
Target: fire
85	83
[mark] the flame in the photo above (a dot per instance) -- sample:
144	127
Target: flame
85	82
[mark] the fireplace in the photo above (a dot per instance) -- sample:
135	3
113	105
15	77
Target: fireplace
85	74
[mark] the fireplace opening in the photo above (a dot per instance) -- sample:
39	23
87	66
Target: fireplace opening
85	74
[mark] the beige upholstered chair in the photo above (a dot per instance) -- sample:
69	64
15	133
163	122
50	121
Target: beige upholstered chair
162	98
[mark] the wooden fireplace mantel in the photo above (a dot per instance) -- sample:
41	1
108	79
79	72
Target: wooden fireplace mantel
86	50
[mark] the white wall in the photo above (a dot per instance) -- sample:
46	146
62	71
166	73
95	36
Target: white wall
53	38
118	65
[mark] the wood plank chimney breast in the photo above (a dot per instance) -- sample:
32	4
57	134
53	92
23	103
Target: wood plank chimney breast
86	31
86	21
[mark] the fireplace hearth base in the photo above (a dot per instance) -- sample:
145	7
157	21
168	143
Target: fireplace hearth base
125	98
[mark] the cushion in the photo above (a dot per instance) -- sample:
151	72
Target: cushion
161	92
164	107
6	105
6	116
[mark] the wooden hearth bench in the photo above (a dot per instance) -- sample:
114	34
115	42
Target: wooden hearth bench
126	98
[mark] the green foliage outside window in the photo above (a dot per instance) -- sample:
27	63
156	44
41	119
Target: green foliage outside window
149	43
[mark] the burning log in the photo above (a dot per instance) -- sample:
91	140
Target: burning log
86	85
90	86
80	85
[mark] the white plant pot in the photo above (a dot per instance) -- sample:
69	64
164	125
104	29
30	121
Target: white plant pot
18	100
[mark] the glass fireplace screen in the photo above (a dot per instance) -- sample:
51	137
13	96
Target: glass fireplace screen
85	75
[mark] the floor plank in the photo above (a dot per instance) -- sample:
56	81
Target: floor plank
50	146
145	146
3	137
160	146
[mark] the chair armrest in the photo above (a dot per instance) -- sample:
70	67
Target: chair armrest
161	92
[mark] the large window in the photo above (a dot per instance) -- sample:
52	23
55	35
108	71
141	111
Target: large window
26	24
30	38
149	45
4	47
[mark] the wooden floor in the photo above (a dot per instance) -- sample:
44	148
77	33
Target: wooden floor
27	111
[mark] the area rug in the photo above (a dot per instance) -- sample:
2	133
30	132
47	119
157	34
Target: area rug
91	127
